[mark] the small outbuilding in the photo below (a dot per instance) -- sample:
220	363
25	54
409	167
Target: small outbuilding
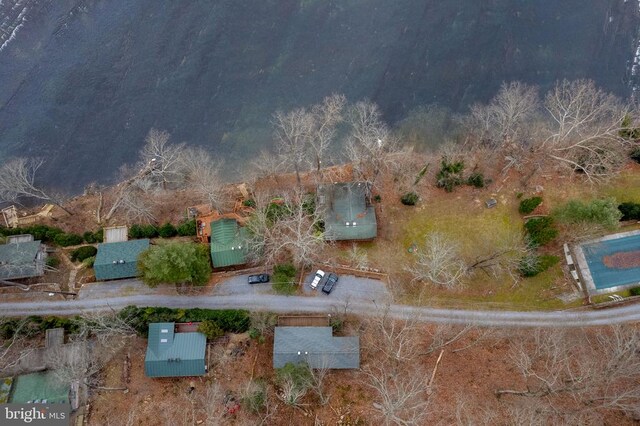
119	260
315	346
228	243
22	260
347	211
172	354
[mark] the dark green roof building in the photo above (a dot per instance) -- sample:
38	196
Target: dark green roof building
171	354
228	243
315	346
119	260
347	211
22	260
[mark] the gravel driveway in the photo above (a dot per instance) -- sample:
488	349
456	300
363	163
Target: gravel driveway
348	287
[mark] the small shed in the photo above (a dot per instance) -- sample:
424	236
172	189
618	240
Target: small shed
316	346
171	354
347	211
119	260
22	238
116	234
228	243
22	260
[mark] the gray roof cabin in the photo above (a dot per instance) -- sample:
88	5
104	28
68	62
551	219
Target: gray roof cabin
316	346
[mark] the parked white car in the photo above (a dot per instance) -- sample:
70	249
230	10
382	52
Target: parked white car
317	278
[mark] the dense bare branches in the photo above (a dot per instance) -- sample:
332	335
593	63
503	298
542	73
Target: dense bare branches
580	373
16	348
584	129
400	397
292	134
399	382
203	175
303	137
506	117
370	142
438	260
325	118
163	156
18	180
292	233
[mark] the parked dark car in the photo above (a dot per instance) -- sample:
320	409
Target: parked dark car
260	278
332	279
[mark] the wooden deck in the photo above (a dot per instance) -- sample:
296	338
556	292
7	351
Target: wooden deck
303	321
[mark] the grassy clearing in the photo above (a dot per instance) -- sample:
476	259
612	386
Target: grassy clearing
479	230
625	188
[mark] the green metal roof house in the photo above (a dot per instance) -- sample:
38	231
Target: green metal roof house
228	243
118	260
171	354
347	211
22	260
316	346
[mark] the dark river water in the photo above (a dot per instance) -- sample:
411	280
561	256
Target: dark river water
82	82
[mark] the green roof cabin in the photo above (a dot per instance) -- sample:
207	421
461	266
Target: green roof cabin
22	260
228	243
347	211
118	260
172	354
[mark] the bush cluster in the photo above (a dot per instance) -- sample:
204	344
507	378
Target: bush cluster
36	324
82	253
284	278
93	237
167	230
409	199
54	235
450	175
630	211
529	204
53	261
601	212
635	291
476	179
535	264
228	320
635	154
211	329
540	230
137	231
187	228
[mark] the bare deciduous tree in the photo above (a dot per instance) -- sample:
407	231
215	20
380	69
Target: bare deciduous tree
505	118
163	157
293	131
210	403
575	372
370	142
203	175
15	348
401	397
585	129
294	234
396	339
439	261
325	117
18	180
